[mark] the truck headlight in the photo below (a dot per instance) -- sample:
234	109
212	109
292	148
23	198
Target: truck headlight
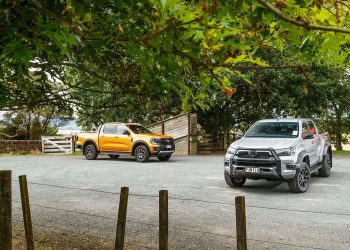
231	150
155	141
286	151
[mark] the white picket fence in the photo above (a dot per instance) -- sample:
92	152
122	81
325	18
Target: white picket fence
57	144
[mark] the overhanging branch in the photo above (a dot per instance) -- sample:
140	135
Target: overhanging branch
291	20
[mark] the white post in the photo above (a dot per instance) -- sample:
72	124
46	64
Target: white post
42	145
71	145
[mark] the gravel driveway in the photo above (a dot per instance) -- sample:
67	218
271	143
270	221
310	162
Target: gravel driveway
198	178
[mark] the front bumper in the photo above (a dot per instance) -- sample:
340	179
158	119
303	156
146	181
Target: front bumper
271	166
166	147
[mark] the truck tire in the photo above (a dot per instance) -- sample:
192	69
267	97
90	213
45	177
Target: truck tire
141	154
114	156
234	181
90	151
325	170
164	157
301	181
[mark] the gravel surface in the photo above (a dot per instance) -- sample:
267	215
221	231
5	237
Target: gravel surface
193	178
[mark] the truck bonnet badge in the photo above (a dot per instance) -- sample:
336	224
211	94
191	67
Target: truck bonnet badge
252	153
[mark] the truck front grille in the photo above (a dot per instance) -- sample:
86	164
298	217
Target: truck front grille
164	144
167	141
256	154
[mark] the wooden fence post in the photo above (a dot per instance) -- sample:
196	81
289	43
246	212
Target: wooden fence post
27	218
123	206
5	210
241	223
163	220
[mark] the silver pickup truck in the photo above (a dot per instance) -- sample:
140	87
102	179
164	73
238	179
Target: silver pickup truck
279	149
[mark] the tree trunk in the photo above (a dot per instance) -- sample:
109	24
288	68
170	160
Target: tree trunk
29	126
338	130
228	138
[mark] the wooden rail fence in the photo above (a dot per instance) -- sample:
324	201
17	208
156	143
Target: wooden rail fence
6	216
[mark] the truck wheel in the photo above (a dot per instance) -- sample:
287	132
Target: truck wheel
90	152
141	154
114	156
164	157
325	170
234	181
301	181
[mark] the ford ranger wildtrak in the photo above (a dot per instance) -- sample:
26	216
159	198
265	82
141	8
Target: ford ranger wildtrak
115	139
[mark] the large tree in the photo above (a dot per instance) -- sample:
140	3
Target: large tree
319	92
31	125
137	48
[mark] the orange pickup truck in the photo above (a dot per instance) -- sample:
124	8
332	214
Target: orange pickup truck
115	139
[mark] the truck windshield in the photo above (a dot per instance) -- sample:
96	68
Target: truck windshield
137	129
274	129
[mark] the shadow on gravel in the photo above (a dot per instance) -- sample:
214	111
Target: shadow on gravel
265	187
282	187
151	160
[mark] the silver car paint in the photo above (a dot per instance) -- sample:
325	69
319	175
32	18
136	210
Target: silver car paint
301	145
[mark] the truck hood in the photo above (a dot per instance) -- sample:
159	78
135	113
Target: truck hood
275	143
154	135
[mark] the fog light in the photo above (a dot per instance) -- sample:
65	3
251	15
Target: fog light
290	166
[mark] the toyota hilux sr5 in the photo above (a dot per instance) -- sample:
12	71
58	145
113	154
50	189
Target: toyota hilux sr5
279	149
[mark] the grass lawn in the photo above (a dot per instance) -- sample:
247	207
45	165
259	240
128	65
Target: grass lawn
39	154
341	152
51	239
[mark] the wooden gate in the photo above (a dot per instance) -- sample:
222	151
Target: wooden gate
209	143
58	144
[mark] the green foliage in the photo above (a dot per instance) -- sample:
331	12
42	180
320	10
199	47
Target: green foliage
321	93
153	47
120	60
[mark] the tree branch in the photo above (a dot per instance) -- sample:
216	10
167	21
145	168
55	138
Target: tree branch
288	19
260	67
69	26
78	67
9	136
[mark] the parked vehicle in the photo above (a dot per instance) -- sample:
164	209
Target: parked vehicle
279	149
115	139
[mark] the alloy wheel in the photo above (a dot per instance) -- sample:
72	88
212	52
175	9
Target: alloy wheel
89	151
141	154
303	179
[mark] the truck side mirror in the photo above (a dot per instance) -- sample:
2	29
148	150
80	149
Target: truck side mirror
126	132
309	136
239	135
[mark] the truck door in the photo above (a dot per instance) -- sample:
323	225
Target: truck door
123	142
308	142
316	143
115	138
107	137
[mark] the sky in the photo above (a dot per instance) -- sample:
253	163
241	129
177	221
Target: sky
1	115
